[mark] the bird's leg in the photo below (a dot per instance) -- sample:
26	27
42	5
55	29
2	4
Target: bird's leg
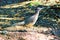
29	25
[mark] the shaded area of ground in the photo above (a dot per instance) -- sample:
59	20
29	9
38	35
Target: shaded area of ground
7	2
11	15
47	17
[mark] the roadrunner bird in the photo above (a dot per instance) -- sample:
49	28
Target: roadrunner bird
31	20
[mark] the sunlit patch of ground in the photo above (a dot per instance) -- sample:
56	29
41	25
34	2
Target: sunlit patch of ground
29	29
34	33
15	5
42	2
26	36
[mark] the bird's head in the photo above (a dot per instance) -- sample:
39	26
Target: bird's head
39	8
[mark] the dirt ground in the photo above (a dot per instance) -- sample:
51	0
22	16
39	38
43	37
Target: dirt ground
32	34
13	13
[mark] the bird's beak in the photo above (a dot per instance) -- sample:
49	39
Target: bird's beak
46	8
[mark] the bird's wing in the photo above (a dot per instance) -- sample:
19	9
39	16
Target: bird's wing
30	20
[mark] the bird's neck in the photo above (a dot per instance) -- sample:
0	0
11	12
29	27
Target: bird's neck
37	12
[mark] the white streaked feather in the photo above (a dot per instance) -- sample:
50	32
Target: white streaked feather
20	23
